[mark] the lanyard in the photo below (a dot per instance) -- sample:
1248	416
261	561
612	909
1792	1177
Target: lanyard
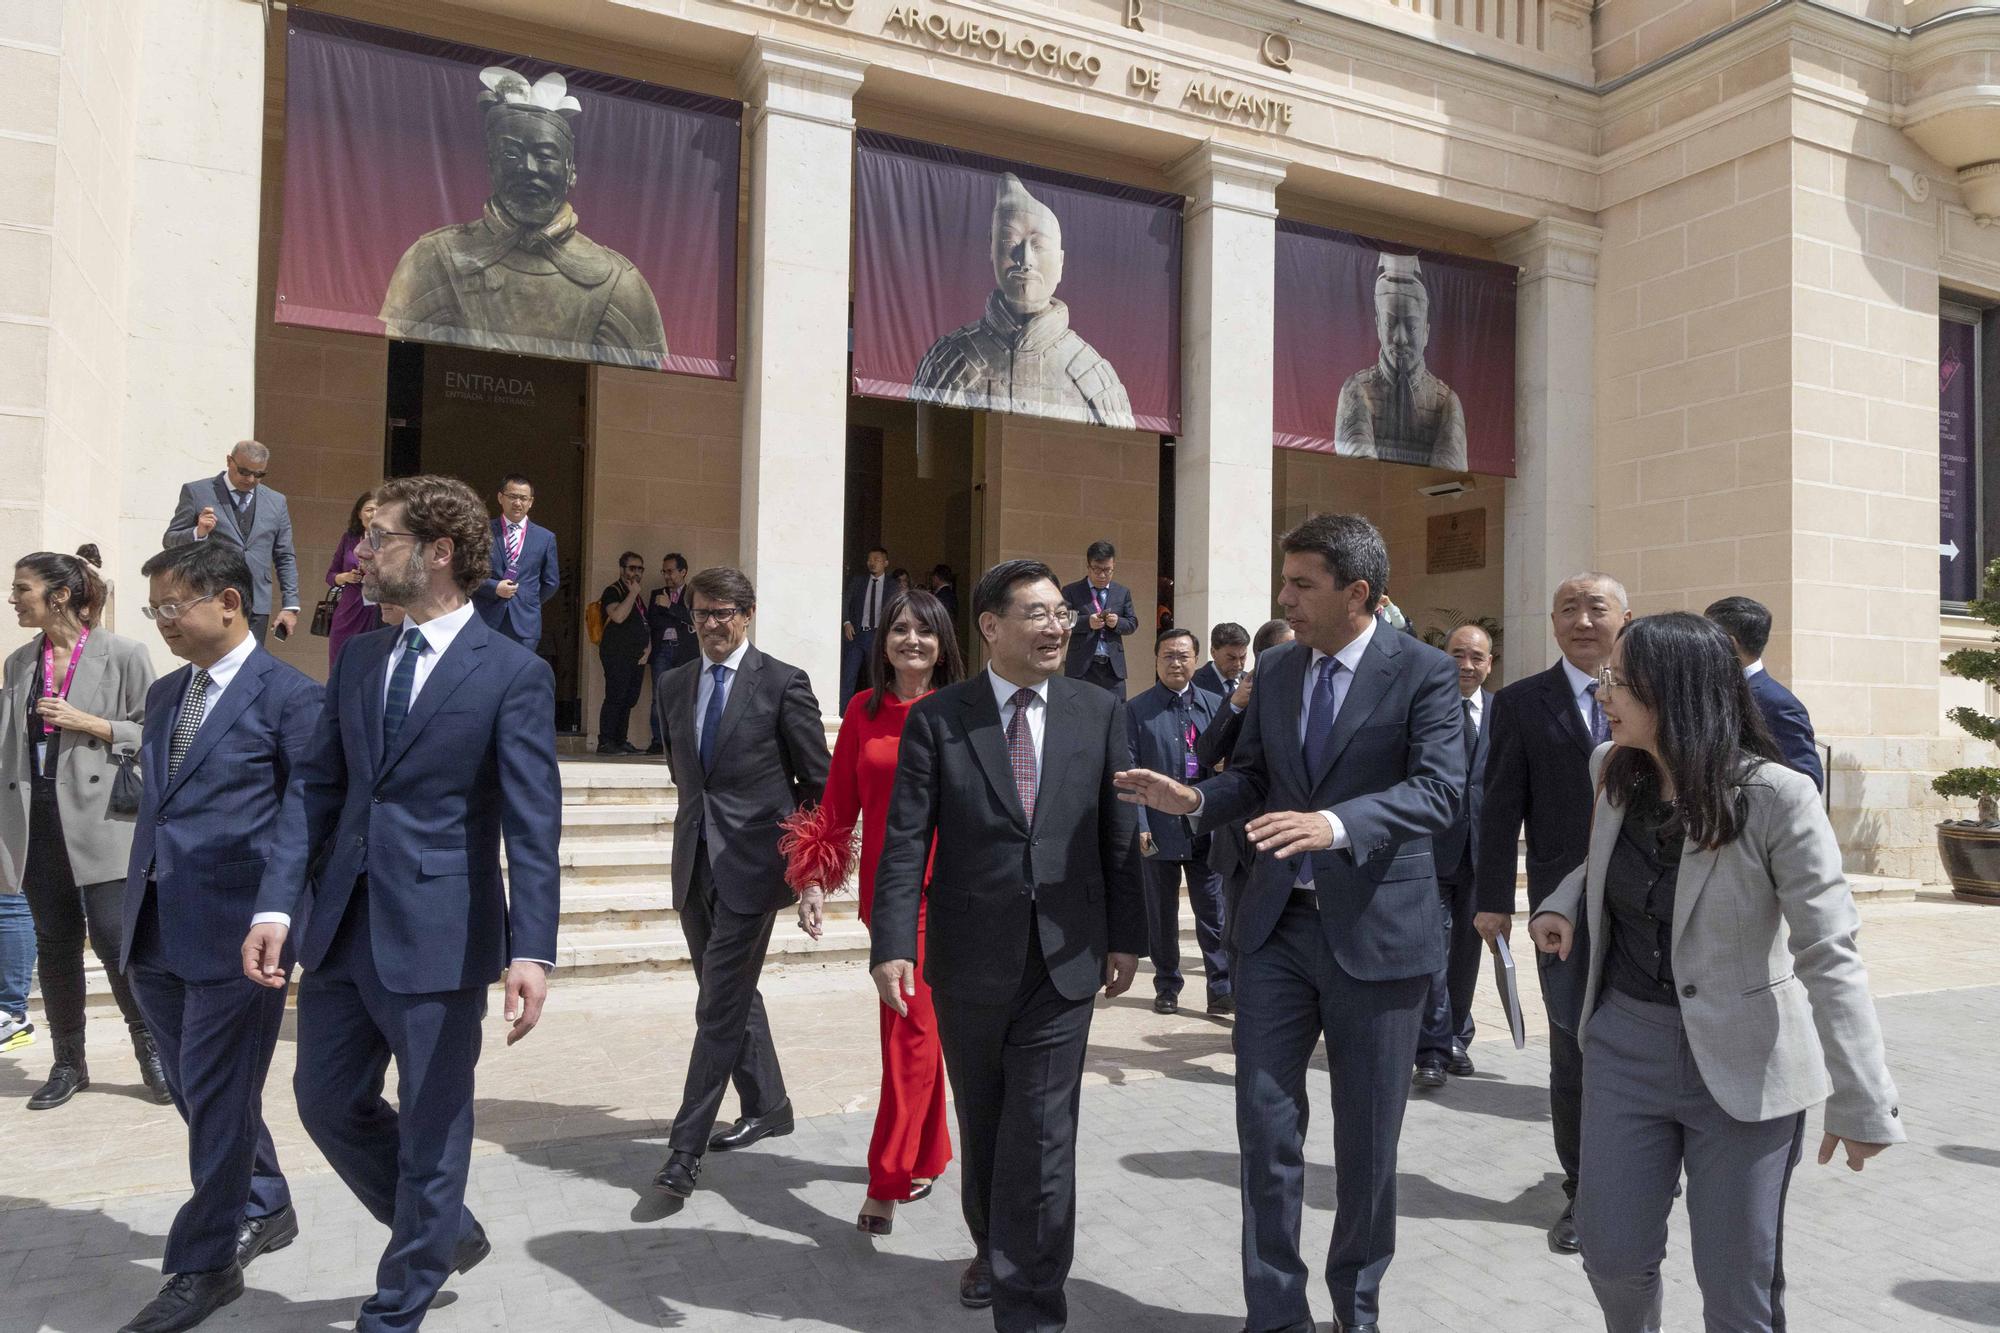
49	670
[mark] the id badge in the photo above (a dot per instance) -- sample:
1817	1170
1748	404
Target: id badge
1191	766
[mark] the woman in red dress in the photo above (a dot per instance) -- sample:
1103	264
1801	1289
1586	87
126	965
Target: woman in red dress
919	653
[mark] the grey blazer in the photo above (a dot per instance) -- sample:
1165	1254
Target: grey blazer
1773	994
267	546
111	681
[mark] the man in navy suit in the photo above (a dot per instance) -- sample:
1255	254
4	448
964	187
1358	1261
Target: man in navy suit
1540	735
1448	1012
1104	616
1228	660
438	738
524	574
1748	625
861	611
219	814
1352	761
1166	723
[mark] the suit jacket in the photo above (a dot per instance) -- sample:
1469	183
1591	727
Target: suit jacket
1537	771
1154	723
1208	678
111	681
267	545
1394	778
1229	850
520	617
1773	993
423	819
852	606
1791	726
1083	639
680	616
948	595
232	817
770	759
1073	871
1458	847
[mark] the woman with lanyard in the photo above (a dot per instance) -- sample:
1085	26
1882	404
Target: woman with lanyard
69	698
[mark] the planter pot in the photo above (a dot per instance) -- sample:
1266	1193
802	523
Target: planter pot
1971	855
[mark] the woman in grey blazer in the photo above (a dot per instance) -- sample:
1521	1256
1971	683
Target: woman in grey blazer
71	698
1724	996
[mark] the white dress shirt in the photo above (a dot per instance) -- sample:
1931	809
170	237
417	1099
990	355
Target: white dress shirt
1579	686
1753	668
705	686
220	675
1478	701
1038	711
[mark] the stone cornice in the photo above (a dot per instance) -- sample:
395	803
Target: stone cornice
1553	248
1217	175
801	82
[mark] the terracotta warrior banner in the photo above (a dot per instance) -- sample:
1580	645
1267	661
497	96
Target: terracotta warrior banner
448	193
1392	353
983	283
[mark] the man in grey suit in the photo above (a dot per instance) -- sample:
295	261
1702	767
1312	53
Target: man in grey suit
1351	758
238	508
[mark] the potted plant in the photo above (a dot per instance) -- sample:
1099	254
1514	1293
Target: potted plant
1970	848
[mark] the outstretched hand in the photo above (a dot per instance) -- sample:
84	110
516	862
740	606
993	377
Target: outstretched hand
1156	791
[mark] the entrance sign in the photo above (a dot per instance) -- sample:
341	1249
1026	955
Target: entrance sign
447	193
1958	468
959	260
1383	351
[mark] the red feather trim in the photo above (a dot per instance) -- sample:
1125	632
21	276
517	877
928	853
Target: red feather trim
817	855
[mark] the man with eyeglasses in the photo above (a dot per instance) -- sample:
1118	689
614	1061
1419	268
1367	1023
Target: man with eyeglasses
622	651
239	509
1104	615
525	572
747	749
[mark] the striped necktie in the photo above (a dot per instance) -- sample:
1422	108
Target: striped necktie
193	709
402	685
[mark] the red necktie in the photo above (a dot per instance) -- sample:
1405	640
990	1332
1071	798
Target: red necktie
1021	752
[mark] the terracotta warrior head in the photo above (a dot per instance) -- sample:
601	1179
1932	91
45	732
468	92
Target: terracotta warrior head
1402	313
530	144
1027	248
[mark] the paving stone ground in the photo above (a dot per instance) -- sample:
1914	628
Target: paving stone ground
581	1243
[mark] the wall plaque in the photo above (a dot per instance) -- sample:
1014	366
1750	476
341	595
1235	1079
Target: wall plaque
1455	543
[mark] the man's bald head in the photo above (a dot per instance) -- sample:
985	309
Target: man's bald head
1472	648
1588	611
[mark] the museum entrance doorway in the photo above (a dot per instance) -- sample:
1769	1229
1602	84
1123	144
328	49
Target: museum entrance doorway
479	416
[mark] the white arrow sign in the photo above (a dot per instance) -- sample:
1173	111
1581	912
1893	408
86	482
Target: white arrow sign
1949	550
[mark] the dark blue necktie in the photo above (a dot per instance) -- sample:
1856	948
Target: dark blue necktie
402	684
1600	729
711	718
1319	718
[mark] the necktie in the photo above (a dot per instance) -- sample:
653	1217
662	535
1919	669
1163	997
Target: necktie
1319	718
513	547
874	606
1471	732
1021	752
402	684
1600	730
193	709
242	498
711	717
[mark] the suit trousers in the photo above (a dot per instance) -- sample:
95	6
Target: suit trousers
1290	991
732	1038
1099	671
1017	1076
1647	1114
1163	907
66	914
854	654
1448	1011
407	1163
215	1040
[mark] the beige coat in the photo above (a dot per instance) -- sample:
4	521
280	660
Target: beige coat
1773	994
111	681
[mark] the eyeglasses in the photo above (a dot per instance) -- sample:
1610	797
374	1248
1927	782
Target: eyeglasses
242	471
720	615
172	611
1607	681
1040	617
377	538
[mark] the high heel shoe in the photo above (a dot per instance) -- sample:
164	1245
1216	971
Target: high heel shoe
874	1224
919	1190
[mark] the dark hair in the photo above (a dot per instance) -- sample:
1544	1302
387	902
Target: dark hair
731	587
88	551
882	551
1269	635
516	479
1172	633
1745	620
623	556
899	573
1228	634
1681	667
83	590
354	514
435	508
1350	546
205	569
930	613
943	572
1100	550
995	590
676	559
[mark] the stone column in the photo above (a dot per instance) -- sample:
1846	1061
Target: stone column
1551	509
800	102
1222	458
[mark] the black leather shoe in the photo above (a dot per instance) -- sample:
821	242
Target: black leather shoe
67	1077
151	1070
1429	1076
1460	1065
1303	1326
1370	1327
772	1124
975	1284
677	1177
1166	1004
261	1235
1562	1236
1222	1006
656	748
472	1248
186	1300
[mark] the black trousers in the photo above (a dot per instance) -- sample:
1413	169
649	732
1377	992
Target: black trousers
66	913
1016	1074
1162	881
732	1039
1566	1103
622	682
1448	1012
1099	671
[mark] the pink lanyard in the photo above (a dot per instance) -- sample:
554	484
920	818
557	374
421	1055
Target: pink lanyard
49	670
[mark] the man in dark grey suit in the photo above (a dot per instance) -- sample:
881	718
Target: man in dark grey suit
1448	1013
1352	761
1034	902
238	508
747	748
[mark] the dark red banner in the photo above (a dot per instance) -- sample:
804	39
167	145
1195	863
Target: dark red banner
449	193
1387	352
988	284
1958	465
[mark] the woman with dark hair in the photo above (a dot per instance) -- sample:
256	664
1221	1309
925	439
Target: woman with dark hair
71	699
917	653
1724	996
353	614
